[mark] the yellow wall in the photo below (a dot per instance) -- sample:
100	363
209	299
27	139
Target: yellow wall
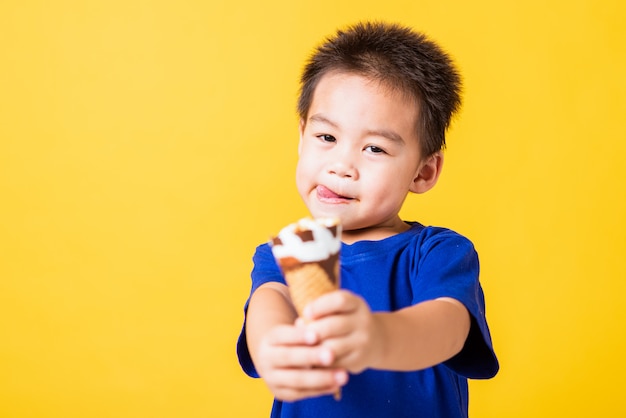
146	147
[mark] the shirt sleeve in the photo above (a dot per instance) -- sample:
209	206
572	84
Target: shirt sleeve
264	270
448	266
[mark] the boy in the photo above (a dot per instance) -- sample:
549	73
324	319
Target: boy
408	327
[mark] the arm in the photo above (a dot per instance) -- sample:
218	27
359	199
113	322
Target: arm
269	306
423	335
412	338
287	356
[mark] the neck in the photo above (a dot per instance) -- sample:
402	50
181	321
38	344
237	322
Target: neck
374	233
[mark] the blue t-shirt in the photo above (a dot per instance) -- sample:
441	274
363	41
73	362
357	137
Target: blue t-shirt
421	264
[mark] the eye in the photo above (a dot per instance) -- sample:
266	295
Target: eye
327	138
374	149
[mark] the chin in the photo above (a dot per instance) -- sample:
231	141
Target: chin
324	214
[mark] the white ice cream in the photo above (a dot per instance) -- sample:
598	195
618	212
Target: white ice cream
323	245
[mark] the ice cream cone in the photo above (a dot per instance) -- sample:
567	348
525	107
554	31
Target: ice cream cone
307	282
308	255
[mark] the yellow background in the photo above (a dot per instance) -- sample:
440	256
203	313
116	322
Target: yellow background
146	148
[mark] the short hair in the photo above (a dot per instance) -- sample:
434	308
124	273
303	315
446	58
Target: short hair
400	58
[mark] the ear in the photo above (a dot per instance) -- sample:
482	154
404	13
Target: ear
301	130
427	173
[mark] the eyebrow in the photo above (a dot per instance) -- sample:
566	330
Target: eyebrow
322	119
385	133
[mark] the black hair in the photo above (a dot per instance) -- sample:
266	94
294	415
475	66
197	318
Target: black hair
399	58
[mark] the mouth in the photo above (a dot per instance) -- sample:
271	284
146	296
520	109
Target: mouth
324	194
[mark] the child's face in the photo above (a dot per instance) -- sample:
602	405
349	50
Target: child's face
359	153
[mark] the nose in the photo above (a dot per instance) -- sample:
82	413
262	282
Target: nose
343	165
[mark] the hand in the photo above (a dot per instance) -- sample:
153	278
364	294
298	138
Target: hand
294	366
347	327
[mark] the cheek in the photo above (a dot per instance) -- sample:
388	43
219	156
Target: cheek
308	163
302	175
387	184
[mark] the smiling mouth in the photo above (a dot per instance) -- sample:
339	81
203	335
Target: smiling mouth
326	195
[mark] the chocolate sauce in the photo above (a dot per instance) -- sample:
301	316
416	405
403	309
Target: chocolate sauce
330	266
306	235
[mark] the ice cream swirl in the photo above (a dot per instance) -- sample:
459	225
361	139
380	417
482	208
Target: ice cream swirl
308	240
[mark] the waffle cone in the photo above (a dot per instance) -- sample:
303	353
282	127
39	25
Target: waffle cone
308	255
307	282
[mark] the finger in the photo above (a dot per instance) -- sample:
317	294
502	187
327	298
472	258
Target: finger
348	355
290	384
343	352
302	357
348	347
292	335
339	301
349	360
333	326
